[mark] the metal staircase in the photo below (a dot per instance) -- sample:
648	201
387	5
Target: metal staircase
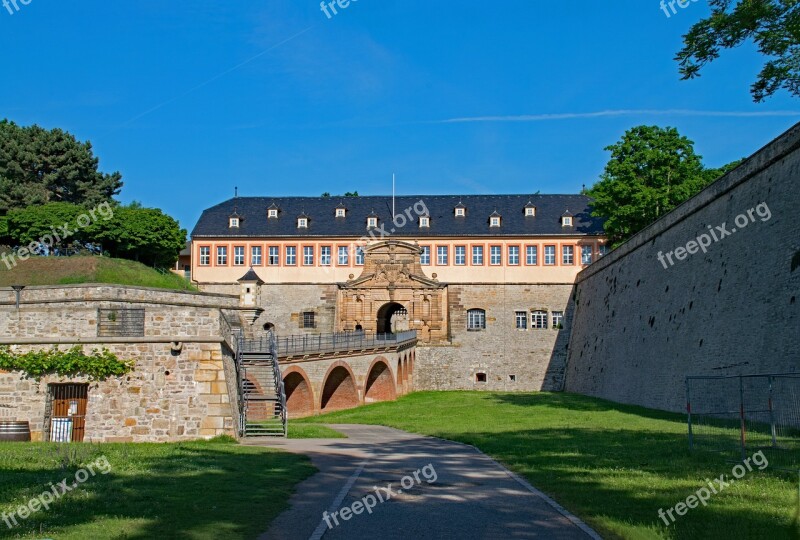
262	398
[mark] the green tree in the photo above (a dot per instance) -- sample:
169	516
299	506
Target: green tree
142	234
39	166
651	171
35	223
774	26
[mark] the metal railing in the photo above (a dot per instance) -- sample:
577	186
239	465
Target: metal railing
266	345
340	342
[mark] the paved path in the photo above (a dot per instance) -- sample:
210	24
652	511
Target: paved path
469	495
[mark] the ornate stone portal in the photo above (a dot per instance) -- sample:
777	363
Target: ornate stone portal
393	294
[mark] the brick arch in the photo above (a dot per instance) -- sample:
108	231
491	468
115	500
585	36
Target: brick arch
380	383
299	393
339	390
399	372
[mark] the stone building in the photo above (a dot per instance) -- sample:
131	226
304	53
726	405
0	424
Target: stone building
484	280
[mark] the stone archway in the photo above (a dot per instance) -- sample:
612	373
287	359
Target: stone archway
380	386
392	318
339	391
299	395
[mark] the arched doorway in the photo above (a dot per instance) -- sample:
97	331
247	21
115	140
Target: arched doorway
339	391
392	318
380	386
299	397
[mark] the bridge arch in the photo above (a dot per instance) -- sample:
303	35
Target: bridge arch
339	390
380	384
299	393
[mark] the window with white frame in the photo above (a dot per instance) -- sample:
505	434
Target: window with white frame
255	256
291	255
567	221
274	256
477	255
425	256
549	255
308	256
461	255
539	319
513	255
495	255
567	254
272	213
476	319
441	255
521	320
558	319
302	223
531	255
205	256
344	255
325	255
234	222
238	256
460	212
586	254
424	221
602	250
360	256
372	222
341	212
494	222
530	211
222	256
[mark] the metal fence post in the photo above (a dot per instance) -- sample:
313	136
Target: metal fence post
743	431
689	413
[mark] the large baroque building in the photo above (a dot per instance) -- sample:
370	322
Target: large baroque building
484	280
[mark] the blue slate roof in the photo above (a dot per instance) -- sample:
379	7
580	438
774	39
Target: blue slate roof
322	222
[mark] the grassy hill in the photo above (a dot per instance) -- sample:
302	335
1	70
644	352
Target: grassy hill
74	270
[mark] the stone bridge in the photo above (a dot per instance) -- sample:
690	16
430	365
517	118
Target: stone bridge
326	373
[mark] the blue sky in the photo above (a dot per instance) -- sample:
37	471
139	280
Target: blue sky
189	99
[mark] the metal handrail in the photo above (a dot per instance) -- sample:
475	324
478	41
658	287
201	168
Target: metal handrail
340	342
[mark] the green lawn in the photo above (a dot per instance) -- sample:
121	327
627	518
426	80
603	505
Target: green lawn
193	490
77	270
613	465
299	430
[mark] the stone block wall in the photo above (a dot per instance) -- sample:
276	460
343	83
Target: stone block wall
641	326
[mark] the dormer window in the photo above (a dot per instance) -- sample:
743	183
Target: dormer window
372	222
233	223
272	213
341	212
302	223
460	210
530	211
424	221
494	219
566	219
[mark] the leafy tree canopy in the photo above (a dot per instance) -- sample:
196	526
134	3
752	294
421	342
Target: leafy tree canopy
651	171
39	166
774	26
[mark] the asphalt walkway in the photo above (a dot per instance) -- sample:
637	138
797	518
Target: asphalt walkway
389	484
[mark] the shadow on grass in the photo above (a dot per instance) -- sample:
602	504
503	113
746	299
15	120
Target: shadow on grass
191	490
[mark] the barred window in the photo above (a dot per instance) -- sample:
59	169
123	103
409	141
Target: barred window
476	319
308	319
120	323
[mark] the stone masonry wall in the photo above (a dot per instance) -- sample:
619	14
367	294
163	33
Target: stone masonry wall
534	357
640	328
170	395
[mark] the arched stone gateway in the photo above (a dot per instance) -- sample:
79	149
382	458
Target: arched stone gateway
392	318
299	396
380	386
339	391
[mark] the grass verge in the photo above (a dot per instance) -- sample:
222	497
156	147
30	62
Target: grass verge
197	490
612	465
299	430
77	270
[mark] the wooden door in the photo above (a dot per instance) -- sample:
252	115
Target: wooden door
68	412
